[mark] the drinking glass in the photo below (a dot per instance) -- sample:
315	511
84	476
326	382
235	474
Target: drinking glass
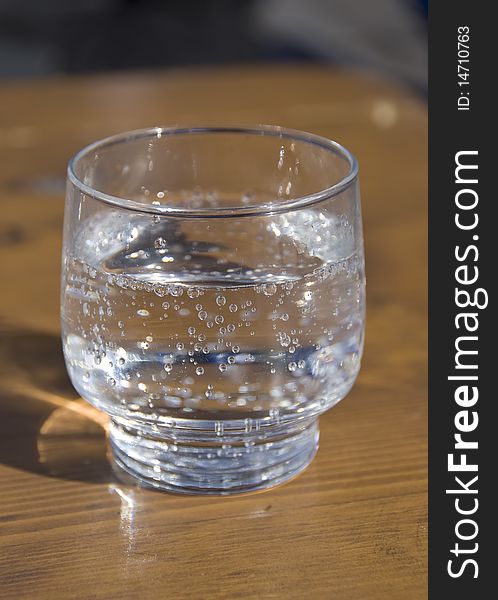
213	299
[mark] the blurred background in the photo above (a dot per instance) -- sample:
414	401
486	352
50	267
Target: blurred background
40	38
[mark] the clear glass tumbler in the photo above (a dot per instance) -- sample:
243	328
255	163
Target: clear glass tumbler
213	299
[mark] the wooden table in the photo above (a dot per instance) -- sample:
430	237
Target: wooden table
353	525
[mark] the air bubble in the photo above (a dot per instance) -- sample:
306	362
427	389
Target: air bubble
222	367
160	242
284	339
193	293
221	300
143	312
274	413
200	370
269	289
202	315
233	308
175	290
219	319
292	366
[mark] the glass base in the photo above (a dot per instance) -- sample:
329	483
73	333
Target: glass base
231	464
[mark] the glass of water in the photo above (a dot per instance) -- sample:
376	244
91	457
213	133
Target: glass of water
213	299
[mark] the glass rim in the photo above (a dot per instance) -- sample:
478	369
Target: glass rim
267	208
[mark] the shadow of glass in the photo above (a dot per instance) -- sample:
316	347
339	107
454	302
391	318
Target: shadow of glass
45	427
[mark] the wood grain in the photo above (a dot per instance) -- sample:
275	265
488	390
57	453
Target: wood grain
353	525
